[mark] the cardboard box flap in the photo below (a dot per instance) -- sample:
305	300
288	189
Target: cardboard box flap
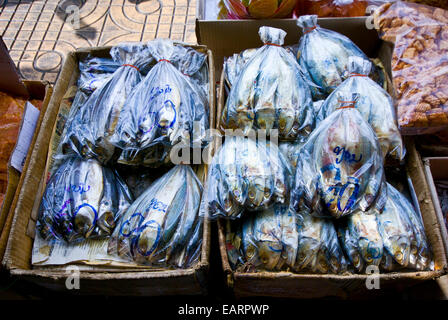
10	80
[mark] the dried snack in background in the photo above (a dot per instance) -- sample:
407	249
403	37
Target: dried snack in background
82	200
324	55
419	64
167	109
374	104
162	226
340	167
270	92
245	175
256	9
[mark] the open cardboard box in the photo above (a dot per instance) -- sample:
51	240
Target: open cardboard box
10	83
93	279
287	284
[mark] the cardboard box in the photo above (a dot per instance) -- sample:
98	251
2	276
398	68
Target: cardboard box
93	279
291	285
10	82
226	37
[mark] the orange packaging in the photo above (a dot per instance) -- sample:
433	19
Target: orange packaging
11	112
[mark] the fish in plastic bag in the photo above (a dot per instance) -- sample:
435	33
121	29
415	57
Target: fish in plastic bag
318	247
324	55
245	174
420	249
374	104
270	92
233	65
94	71
291	150
82	200
340	167
162	226
166	108
96	121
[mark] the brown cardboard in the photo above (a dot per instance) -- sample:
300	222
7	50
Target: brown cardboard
10	82
123	281
226	37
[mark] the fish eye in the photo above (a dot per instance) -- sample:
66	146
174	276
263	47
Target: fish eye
399	256
251	195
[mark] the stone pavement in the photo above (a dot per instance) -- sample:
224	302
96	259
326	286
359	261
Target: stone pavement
39	33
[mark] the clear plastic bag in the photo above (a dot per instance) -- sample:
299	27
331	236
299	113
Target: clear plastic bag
277	239
82	200
245	174
324	55
391	240
94	124
340	167
94	71
166	109
374	104
256	9
419	64
162	227
318	248
291	150
235	64
270	92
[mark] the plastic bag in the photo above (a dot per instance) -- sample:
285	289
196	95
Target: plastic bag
374	104
291	150
256	9
90	134
270	93
340	167
277	239
82	200
245	174
94	72
235	64
166	109
318	247
162	227
419	64
324	54
392	240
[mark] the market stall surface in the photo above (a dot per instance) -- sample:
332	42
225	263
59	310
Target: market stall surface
40	33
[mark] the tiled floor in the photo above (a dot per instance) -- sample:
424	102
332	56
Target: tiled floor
39	33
